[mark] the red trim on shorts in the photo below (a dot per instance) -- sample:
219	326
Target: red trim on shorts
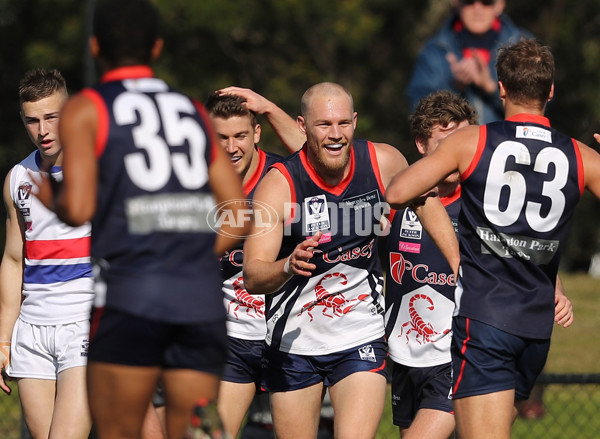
281	168
462	351
478	153
102	117
254	179
579	167
380	368
336	190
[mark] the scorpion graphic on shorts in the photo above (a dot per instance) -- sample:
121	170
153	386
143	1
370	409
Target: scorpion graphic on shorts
246	300
333	303
424	330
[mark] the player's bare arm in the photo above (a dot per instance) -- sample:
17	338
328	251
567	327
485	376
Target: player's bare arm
591	168
263	272
431	212
282	123
390	162
11	275
226	185
454	153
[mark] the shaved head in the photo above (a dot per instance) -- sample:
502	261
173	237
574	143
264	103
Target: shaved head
323	89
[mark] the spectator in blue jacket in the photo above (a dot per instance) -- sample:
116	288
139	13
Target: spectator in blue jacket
462	55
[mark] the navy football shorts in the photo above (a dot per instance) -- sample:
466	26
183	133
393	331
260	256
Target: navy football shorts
244	360
284	372
487	360
122	338
415	388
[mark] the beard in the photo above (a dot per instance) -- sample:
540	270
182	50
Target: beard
331	167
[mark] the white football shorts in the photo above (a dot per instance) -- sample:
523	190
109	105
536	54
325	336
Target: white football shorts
40	351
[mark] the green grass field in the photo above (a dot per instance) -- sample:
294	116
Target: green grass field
571	410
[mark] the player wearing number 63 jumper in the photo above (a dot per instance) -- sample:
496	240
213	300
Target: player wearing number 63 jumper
141	161
521	180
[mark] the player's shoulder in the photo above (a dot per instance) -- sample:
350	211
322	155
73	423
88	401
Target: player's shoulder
389	159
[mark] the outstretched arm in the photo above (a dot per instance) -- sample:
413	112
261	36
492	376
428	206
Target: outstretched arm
11	275
431	212
284	126
453	154
591	167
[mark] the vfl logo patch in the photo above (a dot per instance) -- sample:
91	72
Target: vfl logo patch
367	353
410	228
24	191
316	214
24	202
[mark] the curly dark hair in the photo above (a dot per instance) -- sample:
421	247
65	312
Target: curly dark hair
440	108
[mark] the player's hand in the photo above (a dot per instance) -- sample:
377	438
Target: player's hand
563	311
254	101
597	137
298	262
4	361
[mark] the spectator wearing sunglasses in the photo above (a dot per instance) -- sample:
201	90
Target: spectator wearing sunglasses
462	55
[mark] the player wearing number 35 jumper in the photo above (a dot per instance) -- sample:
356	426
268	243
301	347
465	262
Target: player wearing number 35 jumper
521	180
141	161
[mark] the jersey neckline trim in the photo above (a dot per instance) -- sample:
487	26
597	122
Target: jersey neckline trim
128	72
253	181
531	118
339	188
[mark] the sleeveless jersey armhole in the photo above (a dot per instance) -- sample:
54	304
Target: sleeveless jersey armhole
478	152
103	120
580	175
375	165
281	168
255	178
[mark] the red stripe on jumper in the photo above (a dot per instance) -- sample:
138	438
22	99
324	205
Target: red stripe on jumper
58	249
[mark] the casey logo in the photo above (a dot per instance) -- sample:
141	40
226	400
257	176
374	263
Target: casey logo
420	273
